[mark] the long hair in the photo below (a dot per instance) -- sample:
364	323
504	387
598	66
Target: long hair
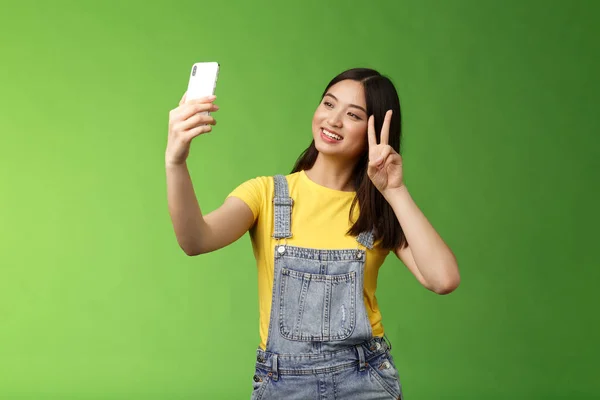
374	211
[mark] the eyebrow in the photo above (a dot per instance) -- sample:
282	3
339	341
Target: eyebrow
351	105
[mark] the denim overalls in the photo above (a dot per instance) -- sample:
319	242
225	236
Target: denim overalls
320	344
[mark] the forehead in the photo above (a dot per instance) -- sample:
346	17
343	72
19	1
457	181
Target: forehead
349	91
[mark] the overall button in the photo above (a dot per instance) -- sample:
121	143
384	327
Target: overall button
260	359
375	347
257	379
358	255
385	365
281	249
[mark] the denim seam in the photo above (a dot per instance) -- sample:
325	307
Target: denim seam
261	390
370	354
373	371
294	333
313	371
334	368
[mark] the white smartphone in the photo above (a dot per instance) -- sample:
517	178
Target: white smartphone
203	81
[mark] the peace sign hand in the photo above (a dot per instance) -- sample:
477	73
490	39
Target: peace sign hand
385	164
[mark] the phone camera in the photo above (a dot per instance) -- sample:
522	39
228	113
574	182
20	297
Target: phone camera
194	71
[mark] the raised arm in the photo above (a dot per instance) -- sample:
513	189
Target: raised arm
197	234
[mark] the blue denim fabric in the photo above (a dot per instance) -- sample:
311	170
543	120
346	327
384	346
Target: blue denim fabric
320	343
340	374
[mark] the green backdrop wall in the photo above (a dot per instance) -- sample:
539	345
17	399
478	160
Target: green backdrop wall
501	128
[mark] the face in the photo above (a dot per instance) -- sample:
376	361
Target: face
339	124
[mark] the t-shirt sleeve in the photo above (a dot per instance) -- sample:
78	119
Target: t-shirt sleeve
252	192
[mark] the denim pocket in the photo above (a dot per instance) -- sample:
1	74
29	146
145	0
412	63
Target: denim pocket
383	370
315	307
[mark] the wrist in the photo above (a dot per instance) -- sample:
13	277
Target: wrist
174	165
395	192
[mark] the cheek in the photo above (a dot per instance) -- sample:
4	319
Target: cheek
317	120
359	139
315	124
318	115
359	133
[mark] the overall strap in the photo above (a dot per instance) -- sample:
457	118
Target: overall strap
282	208
366	239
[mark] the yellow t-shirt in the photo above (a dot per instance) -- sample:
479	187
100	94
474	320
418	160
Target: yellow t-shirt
320	220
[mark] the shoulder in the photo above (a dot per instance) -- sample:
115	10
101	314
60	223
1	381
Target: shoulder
257	185
262	187
292	180
254	192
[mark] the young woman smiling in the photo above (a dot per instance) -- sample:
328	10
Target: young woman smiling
319	236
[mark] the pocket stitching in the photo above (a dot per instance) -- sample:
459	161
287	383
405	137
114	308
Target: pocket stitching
383	383
261	390
349	277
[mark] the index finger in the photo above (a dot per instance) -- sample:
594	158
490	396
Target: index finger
371	132
183	98
202	100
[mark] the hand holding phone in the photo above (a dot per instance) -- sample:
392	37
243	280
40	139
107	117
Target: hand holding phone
203	80
192	118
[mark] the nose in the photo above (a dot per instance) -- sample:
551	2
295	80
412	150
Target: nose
335	119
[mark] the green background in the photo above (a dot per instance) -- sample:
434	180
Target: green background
500	102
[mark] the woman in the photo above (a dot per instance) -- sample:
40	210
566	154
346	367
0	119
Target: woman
320	235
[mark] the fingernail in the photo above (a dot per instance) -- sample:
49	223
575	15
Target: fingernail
212	97
216	107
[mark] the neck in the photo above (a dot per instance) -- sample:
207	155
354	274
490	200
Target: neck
332	173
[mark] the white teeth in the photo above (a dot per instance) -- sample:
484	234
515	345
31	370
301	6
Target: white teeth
332	135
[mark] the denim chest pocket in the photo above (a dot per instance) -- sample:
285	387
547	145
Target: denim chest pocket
316	307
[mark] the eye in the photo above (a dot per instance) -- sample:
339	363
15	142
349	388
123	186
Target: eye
354	115
327	104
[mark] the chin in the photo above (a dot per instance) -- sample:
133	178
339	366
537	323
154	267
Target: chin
318	142
322	147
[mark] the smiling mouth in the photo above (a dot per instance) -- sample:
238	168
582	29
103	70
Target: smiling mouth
331	135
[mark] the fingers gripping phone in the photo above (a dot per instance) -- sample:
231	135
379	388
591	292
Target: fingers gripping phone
203	81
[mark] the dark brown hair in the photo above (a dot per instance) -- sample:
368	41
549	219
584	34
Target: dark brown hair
375	212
